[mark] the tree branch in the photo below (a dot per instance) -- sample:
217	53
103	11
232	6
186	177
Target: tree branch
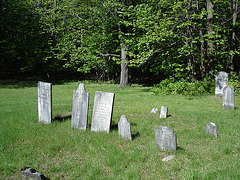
110	55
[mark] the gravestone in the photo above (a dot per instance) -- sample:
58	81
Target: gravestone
124	128
80	108
211	129
44	102
154	110
221	83
228	98
166	139
163	112
102	111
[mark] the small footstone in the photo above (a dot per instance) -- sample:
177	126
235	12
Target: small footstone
168	158
154	110
211	129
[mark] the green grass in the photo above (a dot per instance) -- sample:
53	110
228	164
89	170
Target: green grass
60	152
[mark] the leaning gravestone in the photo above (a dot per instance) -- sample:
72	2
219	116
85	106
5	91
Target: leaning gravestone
102	111
221	83
228	98
44	102
166	139
163	112
124	128
211	129
80	108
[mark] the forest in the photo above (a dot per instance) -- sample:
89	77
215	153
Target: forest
127	41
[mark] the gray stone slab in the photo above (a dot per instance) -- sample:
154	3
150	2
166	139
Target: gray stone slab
44	102
102	111
228	98
80	108
124	128
166	138
220	83
163	112
33	174
211	129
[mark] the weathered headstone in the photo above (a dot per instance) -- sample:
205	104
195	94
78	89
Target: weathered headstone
102	111
163	112
228	98
166	138
221	83
124	128
44	102
80	108
154	110
211	129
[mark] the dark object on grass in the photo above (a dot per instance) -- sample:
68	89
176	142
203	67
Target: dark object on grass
33	174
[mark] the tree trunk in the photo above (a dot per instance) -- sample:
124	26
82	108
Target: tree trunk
124	66
234	46
210	42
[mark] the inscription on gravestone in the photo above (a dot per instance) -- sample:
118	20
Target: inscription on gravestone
44	102
211	129
124	128
163	112
102	111
221	83
80	108
166	139
228	98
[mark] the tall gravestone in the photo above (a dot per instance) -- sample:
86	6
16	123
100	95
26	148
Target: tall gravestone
221	83
228	98
124	128
166	138
80	108
163	112
44	102
102	111
211	129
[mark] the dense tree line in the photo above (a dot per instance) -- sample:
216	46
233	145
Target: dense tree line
190	39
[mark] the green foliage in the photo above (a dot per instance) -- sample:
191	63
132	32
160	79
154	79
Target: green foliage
171	86
234	83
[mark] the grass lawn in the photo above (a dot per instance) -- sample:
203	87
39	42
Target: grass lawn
61	152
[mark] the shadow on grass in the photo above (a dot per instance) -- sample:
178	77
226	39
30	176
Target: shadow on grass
61	119
135	136
180	149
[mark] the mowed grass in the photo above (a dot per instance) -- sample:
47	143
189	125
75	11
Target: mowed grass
61	152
